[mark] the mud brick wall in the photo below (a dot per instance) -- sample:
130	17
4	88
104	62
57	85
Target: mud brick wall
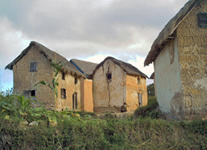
193	62
25	80
110	95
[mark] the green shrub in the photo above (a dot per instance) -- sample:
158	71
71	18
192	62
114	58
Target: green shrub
151	110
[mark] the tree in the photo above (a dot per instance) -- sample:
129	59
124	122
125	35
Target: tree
151	90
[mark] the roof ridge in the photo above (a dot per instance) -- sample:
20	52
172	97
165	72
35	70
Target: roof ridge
50	55
169	29
127	67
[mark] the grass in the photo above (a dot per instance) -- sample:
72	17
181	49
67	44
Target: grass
149	111
81	131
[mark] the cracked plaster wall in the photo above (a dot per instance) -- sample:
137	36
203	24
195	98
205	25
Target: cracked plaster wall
109	95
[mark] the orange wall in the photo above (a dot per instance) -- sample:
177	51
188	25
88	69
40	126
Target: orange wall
132	91
87	95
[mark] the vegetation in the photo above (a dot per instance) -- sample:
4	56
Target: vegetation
81	130
54	83
151	90
151	110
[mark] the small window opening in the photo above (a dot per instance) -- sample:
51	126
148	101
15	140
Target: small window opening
63	94
109	76
26	93
138	80
30	94
33	66
63	76
33	93
75	80
202	20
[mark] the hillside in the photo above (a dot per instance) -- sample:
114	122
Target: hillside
23	127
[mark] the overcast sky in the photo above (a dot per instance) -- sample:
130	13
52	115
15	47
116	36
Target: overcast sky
83	29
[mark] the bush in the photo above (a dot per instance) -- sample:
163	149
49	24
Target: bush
151	110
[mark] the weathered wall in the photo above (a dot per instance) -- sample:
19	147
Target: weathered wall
167	79
71	88
193	59
109	96
132	90
25	80
87	95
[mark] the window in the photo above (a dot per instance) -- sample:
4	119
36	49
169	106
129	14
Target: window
109	76
33	66
75	80
63	76
202	20
138	80
75	102
63	94
26	94
29	94
33	93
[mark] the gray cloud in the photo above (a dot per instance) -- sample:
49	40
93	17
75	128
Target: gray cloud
81	28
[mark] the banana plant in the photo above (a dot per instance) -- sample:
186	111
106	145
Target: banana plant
54	83
24	105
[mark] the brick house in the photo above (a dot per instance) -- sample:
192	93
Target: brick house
115	83
179	55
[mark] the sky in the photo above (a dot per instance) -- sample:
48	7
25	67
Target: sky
83	29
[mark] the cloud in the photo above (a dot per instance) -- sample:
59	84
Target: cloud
109	26
11	41
84	28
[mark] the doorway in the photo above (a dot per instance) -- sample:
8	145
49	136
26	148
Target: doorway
75	101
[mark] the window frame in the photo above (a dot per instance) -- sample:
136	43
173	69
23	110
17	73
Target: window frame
75	80
33	66
138	80
63	93
63	75
202	20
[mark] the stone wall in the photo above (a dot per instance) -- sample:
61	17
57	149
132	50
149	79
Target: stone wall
193	59
24	80
134	87
109	95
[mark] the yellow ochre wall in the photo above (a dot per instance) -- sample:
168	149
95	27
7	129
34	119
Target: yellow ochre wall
71	88
192	47
132	90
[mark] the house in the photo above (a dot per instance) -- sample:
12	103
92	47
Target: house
87	69
115	83
34	65
179	55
